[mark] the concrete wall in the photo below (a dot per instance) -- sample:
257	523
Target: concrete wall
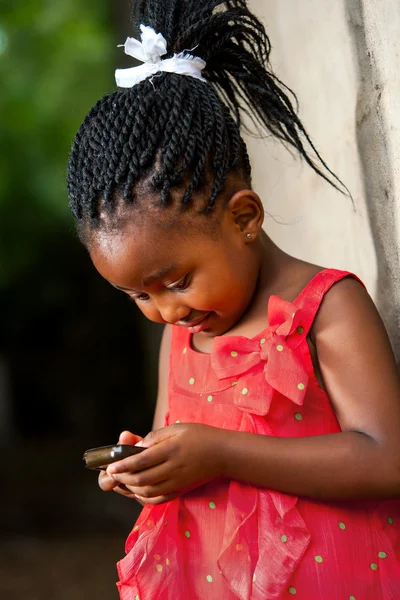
341	58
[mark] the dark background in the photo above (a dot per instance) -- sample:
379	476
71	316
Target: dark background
77	360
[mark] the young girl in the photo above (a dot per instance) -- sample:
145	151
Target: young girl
274	464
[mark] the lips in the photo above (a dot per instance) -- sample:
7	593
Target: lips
195	322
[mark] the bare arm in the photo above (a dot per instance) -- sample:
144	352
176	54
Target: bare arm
163	373
361	378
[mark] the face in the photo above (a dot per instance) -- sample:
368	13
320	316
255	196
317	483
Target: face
180	274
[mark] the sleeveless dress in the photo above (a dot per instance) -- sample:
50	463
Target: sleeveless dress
227	540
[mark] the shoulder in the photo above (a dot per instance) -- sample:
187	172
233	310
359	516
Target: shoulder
348	303
350	335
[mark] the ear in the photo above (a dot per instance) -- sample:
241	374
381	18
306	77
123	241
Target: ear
247	213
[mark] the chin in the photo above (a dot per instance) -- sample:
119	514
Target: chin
216	331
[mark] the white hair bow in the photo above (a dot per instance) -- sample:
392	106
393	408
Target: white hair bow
149	51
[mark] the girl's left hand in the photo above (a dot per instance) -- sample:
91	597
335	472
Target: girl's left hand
179	457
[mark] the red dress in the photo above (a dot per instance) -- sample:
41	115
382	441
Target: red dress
228	540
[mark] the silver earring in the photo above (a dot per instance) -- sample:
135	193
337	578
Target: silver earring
249	236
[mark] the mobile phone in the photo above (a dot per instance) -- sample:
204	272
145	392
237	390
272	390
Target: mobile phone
100	458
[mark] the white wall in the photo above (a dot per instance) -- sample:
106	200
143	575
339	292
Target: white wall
318	51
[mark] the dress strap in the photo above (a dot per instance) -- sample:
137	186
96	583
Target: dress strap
180	339
311	297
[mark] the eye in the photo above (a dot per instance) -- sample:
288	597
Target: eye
140	297
180	285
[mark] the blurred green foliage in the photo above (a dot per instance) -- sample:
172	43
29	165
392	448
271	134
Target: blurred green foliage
56	60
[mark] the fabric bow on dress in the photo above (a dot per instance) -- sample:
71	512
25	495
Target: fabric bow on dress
237	356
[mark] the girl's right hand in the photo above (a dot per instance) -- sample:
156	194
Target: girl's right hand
108	483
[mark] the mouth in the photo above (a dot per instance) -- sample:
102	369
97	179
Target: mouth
197	325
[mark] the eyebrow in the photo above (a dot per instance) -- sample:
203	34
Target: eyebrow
148	280
161	273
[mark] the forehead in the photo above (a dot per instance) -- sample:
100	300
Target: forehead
138	250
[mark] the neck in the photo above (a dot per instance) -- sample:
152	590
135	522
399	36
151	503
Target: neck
273	263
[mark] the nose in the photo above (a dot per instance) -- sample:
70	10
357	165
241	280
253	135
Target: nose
172	311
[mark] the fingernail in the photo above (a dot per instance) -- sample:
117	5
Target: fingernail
139	443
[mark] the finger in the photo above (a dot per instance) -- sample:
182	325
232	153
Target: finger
152	491
157	499
122	490
129	438
159	435
106	482
147	459
148	477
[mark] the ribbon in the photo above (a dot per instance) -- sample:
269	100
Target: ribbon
234	356
149	51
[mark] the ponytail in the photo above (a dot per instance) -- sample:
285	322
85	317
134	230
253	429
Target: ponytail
176	130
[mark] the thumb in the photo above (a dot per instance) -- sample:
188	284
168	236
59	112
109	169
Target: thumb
157	436
128	438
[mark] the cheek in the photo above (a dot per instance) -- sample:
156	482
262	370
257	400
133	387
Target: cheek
222	292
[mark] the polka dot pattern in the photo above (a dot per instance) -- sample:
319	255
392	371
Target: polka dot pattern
276	349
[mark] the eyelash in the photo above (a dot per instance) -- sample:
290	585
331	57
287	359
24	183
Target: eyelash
181	286
140	298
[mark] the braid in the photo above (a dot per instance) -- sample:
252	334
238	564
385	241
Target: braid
174	130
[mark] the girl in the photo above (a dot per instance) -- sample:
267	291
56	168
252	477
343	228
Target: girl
274	464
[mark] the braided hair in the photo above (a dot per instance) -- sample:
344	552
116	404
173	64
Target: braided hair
177	132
